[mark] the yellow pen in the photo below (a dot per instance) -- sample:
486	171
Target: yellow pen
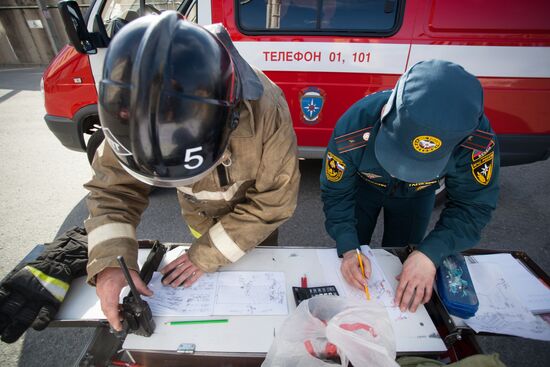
363	271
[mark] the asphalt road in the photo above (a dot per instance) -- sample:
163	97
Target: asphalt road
41	195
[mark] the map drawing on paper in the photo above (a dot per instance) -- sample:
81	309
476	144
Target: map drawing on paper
197	300
500	310
221	293
414	331
380	288
251	293
528	288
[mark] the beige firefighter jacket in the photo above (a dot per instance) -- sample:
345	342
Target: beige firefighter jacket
261	192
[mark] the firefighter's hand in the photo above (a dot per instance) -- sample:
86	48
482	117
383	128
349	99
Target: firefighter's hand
181	272
415	282
351	270
109	283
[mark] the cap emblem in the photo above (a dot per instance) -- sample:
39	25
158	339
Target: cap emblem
426	144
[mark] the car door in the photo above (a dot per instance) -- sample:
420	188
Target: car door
116	13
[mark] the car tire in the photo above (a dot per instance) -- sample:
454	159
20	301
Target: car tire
93	143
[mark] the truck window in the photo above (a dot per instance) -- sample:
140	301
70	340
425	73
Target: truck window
117	13
377	17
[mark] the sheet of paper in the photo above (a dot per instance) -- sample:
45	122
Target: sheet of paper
500	310
222	293
251	293
380	287
197	300
530	289
413	331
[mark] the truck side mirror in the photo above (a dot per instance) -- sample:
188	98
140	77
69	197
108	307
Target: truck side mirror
75	26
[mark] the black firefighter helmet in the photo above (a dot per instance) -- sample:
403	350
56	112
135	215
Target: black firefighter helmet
167	99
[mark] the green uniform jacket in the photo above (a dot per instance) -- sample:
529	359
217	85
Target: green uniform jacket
471	179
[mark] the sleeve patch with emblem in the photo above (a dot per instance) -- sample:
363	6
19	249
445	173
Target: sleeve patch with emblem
334	168
482	168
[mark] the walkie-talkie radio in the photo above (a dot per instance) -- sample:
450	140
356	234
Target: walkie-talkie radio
138	318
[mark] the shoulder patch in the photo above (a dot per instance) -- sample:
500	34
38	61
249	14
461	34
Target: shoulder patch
482	168
478	140
334	168
353	140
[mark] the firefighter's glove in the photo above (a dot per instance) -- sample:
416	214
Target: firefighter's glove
30	295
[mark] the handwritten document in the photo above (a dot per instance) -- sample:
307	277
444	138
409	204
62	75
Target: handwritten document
380	288
413	331
529	288
251	293
222	293
500	310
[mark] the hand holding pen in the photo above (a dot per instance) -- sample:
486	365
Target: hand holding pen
351	269
365	285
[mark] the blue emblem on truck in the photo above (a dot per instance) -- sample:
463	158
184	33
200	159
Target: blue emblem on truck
312	100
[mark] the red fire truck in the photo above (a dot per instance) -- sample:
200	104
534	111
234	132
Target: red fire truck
327	54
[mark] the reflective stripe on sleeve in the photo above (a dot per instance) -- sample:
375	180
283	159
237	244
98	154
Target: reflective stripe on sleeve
56	287
194	232
110	231
224	243
226	195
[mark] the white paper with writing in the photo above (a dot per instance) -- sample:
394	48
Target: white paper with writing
222	293
531	290
500	311
413	331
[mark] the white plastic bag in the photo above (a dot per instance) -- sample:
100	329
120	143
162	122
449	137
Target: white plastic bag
324	327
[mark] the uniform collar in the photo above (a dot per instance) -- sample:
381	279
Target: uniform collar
368	156
252	87
245	129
